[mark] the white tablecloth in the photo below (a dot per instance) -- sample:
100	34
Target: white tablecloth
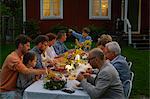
36	91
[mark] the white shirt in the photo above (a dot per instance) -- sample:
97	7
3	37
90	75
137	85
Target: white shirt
45	59
51	52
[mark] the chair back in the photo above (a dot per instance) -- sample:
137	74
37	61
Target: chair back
132	76
127	86
129	64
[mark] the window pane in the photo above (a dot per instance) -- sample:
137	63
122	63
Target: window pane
104	7
56	7
46	7
96	8
51	9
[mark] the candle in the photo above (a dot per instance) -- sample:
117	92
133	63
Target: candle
77	58
46	70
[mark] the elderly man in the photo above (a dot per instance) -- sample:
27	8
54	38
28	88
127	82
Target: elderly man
113	53
107	83
12	66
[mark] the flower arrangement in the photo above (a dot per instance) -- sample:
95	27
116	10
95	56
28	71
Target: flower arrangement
54	81
86	45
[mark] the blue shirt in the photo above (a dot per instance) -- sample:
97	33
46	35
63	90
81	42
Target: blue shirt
80	37
39	58
60	47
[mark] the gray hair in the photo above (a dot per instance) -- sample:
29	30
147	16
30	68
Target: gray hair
97	52
113	47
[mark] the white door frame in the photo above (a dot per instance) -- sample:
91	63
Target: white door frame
139	15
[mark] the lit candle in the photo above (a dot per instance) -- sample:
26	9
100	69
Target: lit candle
46	70
77	58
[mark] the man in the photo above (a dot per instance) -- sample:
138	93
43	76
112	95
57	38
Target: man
50	50
41	43
59	45
12	66
107	83
113	53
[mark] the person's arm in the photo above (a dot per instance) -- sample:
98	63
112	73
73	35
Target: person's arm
77	35
101	85
15	63
91	80
23	69
89	38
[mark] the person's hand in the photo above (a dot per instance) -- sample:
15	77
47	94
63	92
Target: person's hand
89	70
86	75
70	30
37	77
80	77
71	51
52	62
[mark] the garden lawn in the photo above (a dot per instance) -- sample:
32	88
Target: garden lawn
140	67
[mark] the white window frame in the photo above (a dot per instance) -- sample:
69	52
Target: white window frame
51	16
100	16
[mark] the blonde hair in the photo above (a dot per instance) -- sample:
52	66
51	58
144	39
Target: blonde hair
104	39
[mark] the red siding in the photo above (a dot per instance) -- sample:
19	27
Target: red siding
76	14
145	16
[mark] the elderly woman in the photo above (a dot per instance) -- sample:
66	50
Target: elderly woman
104	38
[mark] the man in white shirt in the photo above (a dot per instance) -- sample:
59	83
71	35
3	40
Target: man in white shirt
50	50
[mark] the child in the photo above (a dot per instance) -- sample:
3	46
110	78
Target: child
24	80
81	38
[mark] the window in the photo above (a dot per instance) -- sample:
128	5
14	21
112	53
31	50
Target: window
99	9
51	9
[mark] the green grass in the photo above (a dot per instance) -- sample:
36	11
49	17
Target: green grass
140	67
5	49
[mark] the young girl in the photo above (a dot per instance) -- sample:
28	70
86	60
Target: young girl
24	80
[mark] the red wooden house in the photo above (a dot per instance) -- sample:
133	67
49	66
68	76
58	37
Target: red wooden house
81	13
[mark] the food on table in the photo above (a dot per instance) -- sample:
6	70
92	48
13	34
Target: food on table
72	77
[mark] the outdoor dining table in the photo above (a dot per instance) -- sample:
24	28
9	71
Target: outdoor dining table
36	91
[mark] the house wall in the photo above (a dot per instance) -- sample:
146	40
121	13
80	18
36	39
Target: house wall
76	15
145	18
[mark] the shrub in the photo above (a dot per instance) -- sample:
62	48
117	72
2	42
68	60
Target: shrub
31	28
96	31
